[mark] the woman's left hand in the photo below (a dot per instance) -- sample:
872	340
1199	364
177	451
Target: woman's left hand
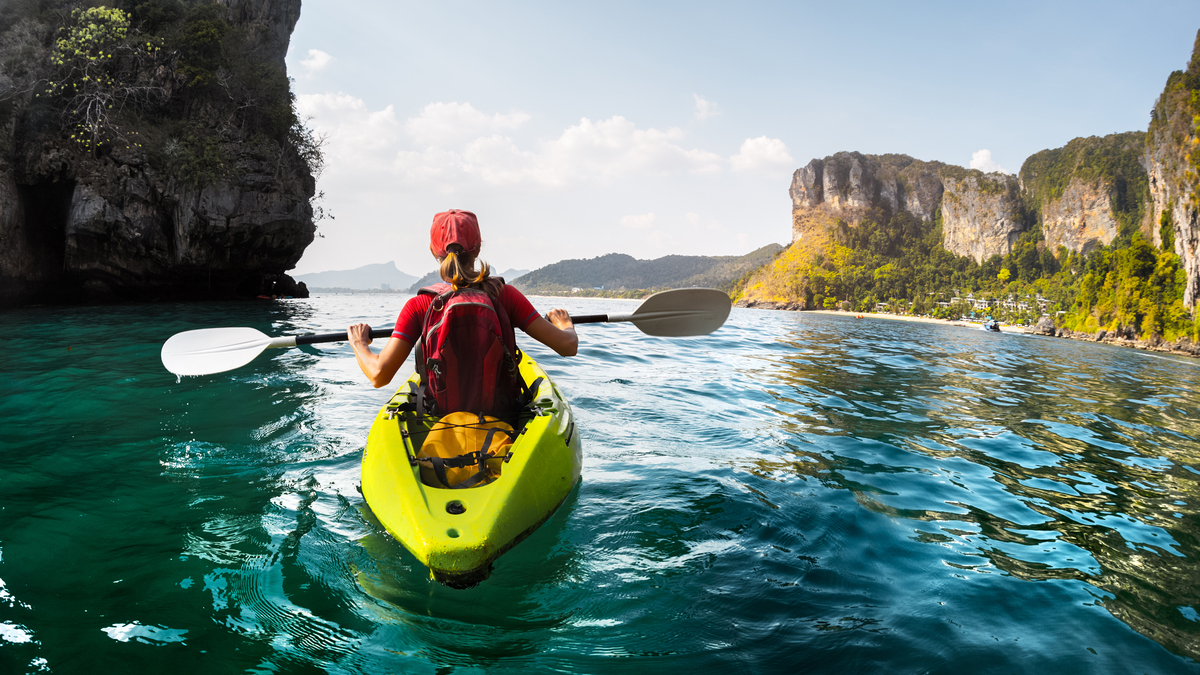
359	333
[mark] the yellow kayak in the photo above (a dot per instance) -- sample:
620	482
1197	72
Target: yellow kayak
458	533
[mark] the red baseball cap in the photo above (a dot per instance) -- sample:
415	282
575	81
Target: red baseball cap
454	227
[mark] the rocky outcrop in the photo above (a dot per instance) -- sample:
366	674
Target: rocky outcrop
981	215
767	304
1172	160
92	226
268	24
848	184
1082	219
981	212
1044	326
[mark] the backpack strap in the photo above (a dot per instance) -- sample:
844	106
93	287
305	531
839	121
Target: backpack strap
436	289
426	402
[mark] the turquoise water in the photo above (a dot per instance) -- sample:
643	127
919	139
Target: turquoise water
795	493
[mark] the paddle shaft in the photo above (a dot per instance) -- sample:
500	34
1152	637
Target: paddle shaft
675	313
590	318
376	333
317	338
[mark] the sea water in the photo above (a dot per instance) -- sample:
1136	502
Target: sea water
794	493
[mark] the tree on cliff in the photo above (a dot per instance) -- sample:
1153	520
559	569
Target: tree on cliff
177	79
93	85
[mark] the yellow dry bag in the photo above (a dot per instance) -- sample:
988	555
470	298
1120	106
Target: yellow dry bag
464	450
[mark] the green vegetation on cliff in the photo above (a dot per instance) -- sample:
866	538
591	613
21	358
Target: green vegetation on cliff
1113	160
1130	285
171	79
899	261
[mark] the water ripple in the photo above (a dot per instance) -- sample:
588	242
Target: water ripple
794	492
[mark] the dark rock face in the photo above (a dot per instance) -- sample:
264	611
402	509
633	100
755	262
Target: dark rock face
76	227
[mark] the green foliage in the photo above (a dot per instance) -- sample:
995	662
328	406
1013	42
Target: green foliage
1137	286
197	159
181	78
1114	160
201	45
153	16
619	275
92	84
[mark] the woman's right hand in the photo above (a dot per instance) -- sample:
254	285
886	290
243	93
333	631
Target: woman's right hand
560	318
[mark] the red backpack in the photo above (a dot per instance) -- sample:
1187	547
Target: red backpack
467	355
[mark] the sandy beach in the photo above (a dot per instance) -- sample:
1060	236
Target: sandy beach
976	325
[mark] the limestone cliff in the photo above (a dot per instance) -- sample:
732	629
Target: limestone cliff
848	184
202	192
1089	192
981	215
869	231
1082	219
1172	160
981	212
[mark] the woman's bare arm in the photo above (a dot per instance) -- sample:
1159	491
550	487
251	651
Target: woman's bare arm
556	331
382	367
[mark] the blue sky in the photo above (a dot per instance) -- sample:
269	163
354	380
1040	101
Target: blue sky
579	129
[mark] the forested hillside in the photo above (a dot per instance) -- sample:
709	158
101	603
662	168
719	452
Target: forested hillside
1097	245
623	275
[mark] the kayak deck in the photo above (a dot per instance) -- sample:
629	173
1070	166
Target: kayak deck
459	533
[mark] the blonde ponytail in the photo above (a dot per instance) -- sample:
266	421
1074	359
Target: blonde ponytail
458	270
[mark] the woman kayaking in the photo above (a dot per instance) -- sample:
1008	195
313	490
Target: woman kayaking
454	240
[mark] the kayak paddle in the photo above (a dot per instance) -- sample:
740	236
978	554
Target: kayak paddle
675	313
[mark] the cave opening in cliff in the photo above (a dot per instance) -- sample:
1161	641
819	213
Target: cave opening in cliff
47	207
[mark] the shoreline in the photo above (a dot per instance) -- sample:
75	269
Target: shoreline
962	323
1182	347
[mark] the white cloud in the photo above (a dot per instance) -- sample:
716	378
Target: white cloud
354	133
450	123
316	62
641	222
615	148
450	141
448	147
762	153
695	221
982	160
705	108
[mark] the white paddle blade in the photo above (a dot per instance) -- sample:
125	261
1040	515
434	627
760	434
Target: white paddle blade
682	312
212	350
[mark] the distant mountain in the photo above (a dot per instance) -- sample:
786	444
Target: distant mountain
620	272
367	277
434	278
513	274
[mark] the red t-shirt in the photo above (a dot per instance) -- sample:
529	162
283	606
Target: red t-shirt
408	326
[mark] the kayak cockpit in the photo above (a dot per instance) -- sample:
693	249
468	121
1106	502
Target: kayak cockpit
458	533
